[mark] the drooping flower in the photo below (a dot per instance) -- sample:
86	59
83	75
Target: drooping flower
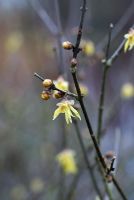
66	107
66	160
61	84
129	44
127	91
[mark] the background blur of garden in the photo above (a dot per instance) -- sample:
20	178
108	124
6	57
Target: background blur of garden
29	139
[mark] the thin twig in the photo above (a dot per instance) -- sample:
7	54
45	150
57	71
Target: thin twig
103	85
73	70
108	191
90	169
73	186
55	88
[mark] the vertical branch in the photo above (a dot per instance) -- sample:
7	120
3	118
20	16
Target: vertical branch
90	170
103	85
76	50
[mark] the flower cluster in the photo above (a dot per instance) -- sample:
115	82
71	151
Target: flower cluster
129	44
58	89
66	160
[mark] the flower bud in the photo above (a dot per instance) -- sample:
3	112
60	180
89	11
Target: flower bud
67	45
58	95
109	178
73	62
45	95
47	83
109	155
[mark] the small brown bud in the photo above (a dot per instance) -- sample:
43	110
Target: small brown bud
109	155
47	83
58	95
73	62
45	95
109	178
67	45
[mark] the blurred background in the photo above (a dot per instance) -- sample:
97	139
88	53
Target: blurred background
29	139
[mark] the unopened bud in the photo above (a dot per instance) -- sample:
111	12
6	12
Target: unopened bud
73	62
67	45
109	155
47	83
58	95
109	178
45	95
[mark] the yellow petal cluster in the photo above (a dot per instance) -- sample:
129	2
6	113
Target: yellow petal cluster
129	44
66	160
88	47
66	107
61	84
127	91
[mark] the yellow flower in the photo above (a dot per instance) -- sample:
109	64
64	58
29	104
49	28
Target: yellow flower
66	160
83	89
129	44
37	185
61	84
14	42
88	47
66	107
127	91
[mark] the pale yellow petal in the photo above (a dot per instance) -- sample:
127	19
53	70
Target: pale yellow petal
75	112
126	46
56	113
69	115
66	118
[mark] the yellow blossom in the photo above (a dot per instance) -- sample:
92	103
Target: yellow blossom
127	91
66	160
37	185
66	107
83	89
88	47
129	44
14	42
61	84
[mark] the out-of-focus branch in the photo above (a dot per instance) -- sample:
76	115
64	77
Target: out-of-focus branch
61	63
89	167
103	84
118	26
44	17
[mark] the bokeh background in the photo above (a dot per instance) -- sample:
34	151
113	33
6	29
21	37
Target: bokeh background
29	139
